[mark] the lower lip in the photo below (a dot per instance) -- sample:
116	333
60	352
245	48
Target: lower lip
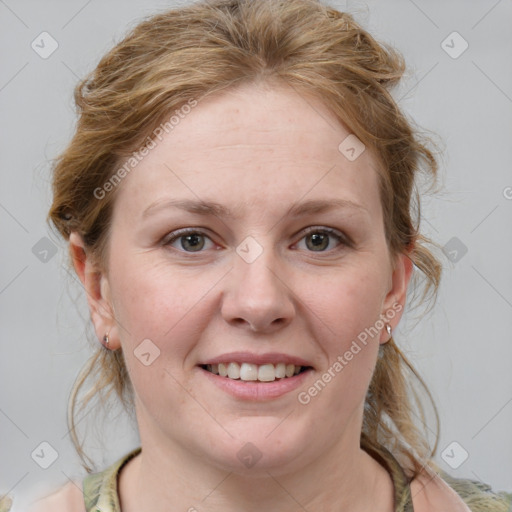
255	390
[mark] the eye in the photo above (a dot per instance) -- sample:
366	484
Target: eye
319	239
189	240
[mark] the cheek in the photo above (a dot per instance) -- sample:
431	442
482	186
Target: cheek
159	313
348	308
161	304
349	302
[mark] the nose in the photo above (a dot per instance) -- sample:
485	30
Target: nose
257	297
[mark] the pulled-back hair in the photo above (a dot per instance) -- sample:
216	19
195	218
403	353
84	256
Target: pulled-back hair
178	57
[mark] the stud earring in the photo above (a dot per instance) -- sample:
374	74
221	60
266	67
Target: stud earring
106	340
389	330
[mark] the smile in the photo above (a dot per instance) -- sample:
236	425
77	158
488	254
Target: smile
253	372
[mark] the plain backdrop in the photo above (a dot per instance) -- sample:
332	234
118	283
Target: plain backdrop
463	348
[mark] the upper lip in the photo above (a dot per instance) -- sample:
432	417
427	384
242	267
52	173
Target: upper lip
259	359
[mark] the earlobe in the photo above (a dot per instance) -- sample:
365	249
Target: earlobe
97	289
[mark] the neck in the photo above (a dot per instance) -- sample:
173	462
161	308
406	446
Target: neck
343	478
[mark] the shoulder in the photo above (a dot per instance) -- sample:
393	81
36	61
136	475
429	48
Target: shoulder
80	496
430	493
5	503
68	498
438	491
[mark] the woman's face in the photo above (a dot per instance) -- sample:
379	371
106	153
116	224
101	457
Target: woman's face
283	262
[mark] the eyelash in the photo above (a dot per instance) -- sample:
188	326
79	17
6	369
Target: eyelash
341	238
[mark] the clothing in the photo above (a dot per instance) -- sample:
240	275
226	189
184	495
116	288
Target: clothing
5	503
100	489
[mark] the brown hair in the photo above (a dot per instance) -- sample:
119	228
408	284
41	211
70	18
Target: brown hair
182	55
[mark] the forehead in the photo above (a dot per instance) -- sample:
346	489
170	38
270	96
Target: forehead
258	146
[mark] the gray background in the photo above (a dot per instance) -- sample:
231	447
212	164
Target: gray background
463	348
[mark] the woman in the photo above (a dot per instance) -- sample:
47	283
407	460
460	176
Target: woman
238	203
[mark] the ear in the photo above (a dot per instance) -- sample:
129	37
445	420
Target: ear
97	288
394	303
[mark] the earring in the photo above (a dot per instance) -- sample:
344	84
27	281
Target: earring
389	330
106	340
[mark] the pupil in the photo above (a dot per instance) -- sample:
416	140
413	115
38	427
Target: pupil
194	241
318	239
194	245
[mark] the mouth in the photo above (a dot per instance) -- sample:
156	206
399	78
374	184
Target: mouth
250	372
254	377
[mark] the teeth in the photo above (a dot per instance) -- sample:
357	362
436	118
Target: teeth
280	371
248	371
233	370
267	373
253	372
223	370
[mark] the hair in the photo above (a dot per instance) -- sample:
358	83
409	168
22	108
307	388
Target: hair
181	56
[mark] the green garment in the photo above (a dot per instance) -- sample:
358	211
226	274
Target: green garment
100	489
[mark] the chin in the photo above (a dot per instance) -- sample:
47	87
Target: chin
261	445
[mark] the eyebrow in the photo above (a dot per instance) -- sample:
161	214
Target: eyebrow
212	208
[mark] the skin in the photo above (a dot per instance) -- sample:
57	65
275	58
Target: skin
257	150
